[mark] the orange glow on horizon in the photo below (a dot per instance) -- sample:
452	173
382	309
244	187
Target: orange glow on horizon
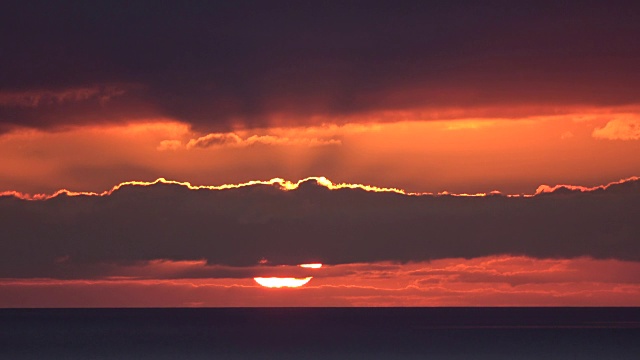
278	282
485	281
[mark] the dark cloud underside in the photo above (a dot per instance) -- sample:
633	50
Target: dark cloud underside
239	227
216	64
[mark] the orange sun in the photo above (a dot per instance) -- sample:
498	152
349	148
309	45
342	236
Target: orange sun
278	282
291	282
311	266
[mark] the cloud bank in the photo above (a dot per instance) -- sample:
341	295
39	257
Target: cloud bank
239	226
488	281
219	66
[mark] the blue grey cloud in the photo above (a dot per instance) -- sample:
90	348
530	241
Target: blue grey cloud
216	64
62	236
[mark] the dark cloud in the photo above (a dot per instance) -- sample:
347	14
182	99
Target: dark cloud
239	227
218	64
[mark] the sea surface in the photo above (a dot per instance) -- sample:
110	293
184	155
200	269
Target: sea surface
321	333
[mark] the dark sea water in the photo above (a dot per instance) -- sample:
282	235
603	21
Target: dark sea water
321	333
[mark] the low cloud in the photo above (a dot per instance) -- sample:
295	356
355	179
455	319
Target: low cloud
240	226
232	139
490	281
619	129
566	135
214	140
169	145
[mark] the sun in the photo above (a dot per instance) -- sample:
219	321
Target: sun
311	266
278	282
290	282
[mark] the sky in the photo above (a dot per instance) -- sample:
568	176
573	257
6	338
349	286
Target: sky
453	153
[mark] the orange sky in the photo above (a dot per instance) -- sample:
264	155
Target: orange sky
460	156
511	155
460	98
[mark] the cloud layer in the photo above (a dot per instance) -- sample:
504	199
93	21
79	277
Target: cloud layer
63	235
219	66
488	281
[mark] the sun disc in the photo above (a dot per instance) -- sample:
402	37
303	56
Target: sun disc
311	266
278	282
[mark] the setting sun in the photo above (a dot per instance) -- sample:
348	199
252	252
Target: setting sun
276	282
311	266
459	179
133	156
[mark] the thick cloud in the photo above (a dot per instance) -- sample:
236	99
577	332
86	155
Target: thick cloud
220	64
240	227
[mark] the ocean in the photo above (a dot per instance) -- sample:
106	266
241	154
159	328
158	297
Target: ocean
321	333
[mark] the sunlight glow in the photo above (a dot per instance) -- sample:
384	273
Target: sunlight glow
277	282
286	185
311	266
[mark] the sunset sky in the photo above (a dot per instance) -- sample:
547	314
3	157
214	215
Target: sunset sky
454	153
